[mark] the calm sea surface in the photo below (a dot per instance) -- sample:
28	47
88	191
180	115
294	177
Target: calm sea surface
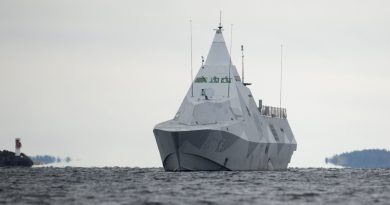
154	186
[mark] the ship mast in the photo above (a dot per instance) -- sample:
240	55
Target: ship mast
192	77
281	76
230	62
242	63
220	21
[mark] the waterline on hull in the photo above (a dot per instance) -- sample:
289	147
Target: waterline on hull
215	150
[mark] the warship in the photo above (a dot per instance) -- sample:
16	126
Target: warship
219	127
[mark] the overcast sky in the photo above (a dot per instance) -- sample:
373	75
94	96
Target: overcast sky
90	79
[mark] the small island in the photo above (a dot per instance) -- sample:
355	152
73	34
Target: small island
9	159
48	159
370	158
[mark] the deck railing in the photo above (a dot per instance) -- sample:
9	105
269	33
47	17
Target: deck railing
273	111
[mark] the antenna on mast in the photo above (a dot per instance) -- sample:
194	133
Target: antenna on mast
230	64
220	20
281	76
202	62
242	62
192	77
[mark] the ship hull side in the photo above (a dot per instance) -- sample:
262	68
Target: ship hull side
216	150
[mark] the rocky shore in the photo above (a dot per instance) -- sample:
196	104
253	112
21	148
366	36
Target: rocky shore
8	159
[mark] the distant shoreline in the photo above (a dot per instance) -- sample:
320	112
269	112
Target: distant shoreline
369	158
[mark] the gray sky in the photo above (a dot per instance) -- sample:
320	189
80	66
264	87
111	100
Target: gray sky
90	79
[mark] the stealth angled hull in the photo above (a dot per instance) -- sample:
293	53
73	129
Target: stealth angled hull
219	126
219	150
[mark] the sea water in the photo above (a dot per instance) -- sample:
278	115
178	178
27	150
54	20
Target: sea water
114	185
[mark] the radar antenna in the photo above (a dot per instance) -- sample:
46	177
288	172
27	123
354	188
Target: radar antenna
220	20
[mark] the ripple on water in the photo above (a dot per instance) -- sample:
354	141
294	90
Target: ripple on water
154	186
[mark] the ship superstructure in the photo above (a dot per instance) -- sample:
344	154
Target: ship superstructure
219	126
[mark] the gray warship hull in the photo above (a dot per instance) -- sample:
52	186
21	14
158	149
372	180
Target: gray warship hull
221	150
219	126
